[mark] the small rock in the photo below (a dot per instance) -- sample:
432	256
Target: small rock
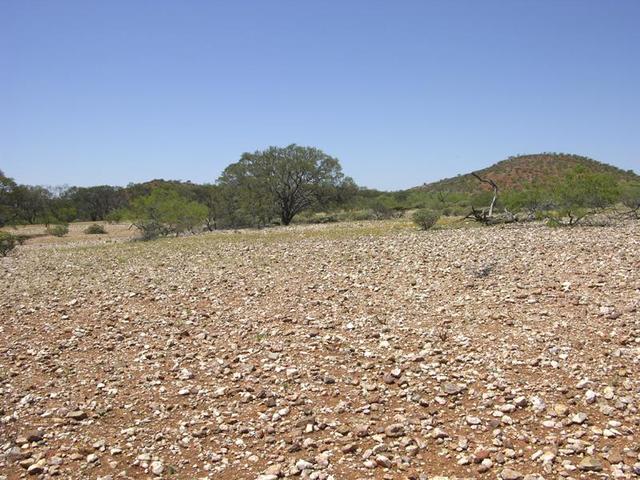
579	418
77	415
547	457
614	457
510	474
590	464
349	448
560	409
538	404
452	388
275	469
34	435
157	467
473	420
394	430
383	461
520	401
37	468
485	465
439	433
303	465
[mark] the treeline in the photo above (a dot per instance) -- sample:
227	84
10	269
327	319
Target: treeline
263	188
302	184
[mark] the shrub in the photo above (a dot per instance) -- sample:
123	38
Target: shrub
151	229
7	243
163	212
311	218
630	198
58	230
361	215
116	216
326	218
580	194
21	238
95	229
425	219
381	211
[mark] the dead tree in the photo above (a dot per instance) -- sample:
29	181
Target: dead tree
486	214
494	187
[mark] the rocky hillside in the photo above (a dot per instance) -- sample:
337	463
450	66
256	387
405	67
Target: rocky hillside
517	172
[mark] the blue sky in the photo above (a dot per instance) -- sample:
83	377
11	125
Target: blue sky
402	92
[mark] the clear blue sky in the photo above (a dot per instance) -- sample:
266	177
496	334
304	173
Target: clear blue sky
402	92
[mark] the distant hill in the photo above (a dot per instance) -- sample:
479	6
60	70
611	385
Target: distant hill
514	173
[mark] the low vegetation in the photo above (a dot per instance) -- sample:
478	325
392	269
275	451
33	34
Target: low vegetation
278	186
95	229
425	219
58	229
7	243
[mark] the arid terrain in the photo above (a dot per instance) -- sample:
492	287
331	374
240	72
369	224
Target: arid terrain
346	351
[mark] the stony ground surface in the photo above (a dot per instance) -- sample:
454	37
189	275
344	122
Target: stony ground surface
333	352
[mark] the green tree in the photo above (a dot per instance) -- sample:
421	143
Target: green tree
284	181
582	193
164	212
630	198
30	203
7	208
95	203
533	200
212	197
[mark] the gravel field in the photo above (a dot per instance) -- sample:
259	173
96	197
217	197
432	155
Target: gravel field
347	351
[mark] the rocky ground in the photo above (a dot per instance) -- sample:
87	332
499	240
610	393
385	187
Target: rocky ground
334	352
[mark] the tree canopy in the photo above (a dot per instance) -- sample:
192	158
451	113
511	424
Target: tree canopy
289	180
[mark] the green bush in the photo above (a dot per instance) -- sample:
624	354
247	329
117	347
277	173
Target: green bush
151	229
311	218
58	230
361	215
7	243
425	219
164	212
381	211
581	194
95	229
21	238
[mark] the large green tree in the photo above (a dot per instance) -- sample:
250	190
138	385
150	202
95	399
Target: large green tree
284	181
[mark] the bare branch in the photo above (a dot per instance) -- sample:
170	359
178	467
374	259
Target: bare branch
494	186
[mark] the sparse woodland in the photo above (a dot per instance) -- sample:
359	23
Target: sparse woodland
305	185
